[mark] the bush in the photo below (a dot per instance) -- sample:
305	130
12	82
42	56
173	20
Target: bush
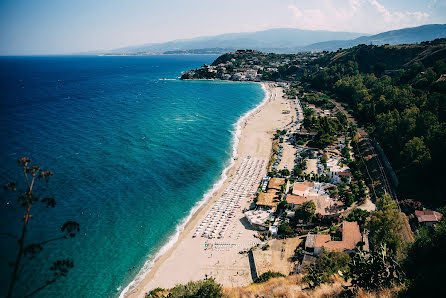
267	276
425	262
285	230
284	172
327	264
359	216
203	288
305	211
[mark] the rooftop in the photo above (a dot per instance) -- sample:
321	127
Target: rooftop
296	200
347	174
267	199
428	216
350	237
302	186
257	217
276	183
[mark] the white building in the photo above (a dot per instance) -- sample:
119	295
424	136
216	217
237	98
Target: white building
335	171
258	218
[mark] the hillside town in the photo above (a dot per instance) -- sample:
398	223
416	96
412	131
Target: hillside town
252	65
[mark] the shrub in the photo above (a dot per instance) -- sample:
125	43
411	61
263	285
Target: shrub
359	216
267	276
203	288
327	264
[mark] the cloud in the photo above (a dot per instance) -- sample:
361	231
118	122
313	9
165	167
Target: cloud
369	16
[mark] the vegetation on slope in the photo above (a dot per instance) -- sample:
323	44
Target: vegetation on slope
399	94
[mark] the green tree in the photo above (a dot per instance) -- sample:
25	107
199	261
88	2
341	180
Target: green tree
385	224
283	205
284	172
305	211
360	216
285	230
415	153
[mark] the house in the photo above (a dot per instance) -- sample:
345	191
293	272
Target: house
267	200
324	204
335	169
351	236
257	218
295	201
347	175
275	184
302	188
428	218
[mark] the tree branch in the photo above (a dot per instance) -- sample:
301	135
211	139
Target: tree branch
48	282
53	239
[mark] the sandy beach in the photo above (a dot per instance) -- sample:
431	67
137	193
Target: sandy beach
194	258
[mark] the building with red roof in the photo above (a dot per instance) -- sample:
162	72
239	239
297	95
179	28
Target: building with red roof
428	218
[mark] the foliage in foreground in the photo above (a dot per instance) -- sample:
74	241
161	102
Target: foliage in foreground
267	276
201	289
376	270
326	265
28	197
426	262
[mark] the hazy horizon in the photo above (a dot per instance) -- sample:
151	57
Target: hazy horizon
57	27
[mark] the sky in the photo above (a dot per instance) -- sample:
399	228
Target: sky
74	26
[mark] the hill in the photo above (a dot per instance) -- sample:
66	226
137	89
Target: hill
402	36
285	40
397	93
272	40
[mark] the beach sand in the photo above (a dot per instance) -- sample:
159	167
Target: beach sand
188	259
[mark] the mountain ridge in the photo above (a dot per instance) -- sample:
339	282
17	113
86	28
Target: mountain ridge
392	37
279	39
285	40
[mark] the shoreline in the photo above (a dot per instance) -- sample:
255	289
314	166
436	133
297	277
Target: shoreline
188	258
209	197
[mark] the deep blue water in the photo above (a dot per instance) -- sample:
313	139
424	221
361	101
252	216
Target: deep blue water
131	154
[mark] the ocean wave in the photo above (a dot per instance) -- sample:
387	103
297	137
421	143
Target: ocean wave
237	133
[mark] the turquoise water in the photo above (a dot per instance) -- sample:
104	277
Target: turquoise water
132	154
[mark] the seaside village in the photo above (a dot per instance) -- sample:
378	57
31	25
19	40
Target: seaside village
252	65
282	219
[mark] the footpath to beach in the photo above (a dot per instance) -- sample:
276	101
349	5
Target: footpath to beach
194	257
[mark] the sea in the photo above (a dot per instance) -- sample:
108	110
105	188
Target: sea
134	151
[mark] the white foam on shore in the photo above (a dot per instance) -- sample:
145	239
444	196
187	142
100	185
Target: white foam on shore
206	197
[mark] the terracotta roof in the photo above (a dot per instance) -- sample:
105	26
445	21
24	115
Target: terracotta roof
345	174
296	200
276	183
350	237
267	199
300	187
428	216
